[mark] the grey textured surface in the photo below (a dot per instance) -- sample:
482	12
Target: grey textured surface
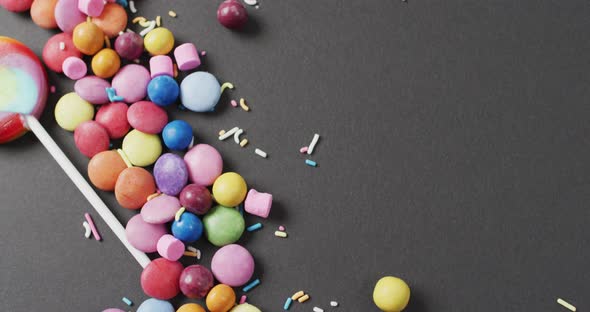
454	154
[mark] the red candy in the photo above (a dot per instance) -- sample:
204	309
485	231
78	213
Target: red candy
53	56
147	117
196	199
16	5
91	138
196	281
160	279
113	117
129	45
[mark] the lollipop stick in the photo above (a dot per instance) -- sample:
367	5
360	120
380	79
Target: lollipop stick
67	166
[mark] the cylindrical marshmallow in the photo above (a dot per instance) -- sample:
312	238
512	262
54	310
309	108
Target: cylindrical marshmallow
161	65
258	204
187	57
91	7
74	68
171	248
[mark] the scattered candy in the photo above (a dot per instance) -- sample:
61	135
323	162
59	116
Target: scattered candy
52	89
243	105
127	301
281	234
251	2
196	281
221	298
156	194
169	247
87	230
298	295
303	150
161	65
254	227
177	135
245	307
43	13
303	298
190	254
287	304
92	89
163	90
243	299
188	228
204	164
74	68
54	56
62	46
190	307
147	117
203	53
316	309
67	16
112	20
314	141
142	235
104	169
311	163
200	92
158	21
232	14
71	110
187	57
113	117
179	213
196	199
133	187
106	63
253	284
229	189
170	173
172	13
153	305
258	204
129	45
160	209
159	41
131	82
88	38
227	85
232	265
223	225
566	304
91	7
112	95
260	153
333	303
237	135
141	148
391	294
159	279
91	138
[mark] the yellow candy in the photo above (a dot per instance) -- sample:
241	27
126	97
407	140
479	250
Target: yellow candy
229	189
191	307
245	307
142	149
159	41
88	38
106	63
391	294
71	110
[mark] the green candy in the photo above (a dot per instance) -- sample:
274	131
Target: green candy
223	225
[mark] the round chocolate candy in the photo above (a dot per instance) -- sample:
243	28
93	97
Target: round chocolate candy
104	169
142	235
142	149
113	117
196	199
171	174
163	90
188	228
196	281
133	187
245	307
92	89
155	305
223	225
232	14
229	189
160	209
129	45
71	110
160	279
221	298
200	92
191	307
177	135
147	117
131	82
232	265
91	138
204	164
57	49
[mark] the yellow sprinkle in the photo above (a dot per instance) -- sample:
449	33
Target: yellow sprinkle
153	196
172	13
139	19
243	105
222	132
226	85
125	159
179	213
89	19
190	253
159	21
107	42
244	142
145	23
281	234
175	70
566	304
297	295
303	299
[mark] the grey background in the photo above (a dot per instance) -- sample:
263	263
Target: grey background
454	154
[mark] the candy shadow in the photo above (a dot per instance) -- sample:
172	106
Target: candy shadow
417	302
251	29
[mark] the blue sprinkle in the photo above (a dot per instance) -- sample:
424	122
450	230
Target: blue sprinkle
287	304
123	3
311	163
117	98
127	301
254	227
248	287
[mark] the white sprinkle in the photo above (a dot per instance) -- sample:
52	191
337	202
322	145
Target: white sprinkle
228	133
87	230
62	46
132	7
192	143
121	32
198	254
148	29
191	248
316	309
129	30
314	141
260	153
237	136
566	304
251	2
334	303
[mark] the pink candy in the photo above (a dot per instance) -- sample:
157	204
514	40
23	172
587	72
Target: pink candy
161	65
258	204
91	7
170	247
160	209
74	68
67	16
142	235
204	164
187	57
131	82
232	265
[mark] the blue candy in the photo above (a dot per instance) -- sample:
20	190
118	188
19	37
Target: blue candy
188	228
155	305
177	135
163	90
200	92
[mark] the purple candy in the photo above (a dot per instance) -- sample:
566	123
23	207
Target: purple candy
160	209
92	89
129	46
171	174
142	235
196	281
196	199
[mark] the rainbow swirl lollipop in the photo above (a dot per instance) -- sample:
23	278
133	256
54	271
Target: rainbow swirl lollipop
24	87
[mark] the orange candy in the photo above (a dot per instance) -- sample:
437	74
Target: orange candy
88	38
112	20
133	187
43	13
104	169
221	298
191	307
106	63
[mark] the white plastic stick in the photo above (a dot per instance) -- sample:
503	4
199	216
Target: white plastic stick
88	192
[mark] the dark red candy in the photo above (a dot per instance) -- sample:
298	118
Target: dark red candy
196	199
129	45
160	279
196	281
232	14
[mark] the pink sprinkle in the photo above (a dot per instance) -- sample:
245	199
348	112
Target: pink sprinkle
203	53
92	227
52	89
243	299
234	103
303	150
281	228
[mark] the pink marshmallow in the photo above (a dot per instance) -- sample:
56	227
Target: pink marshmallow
187	57
258	204
171	248
74	68
91	7
161	65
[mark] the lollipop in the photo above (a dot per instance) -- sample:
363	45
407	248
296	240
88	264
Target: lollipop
22	99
